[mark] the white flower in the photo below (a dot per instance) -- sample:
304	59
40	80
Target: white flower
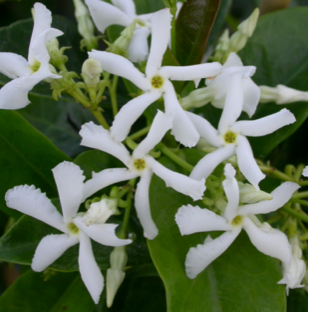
295	269
72	192
281	94
267	240
155	83
305	171
26	74
140	164
230	138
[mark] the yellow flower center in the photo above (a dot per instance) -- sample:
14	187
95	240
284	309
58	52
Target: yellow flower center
157	81
35	66
73	228
140	164
230	137
238	220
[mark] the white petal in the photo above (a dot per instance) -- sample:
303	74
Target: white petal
105	14
120	66
183	130
13	65
33	202
50	248
69	180
233	103
233	60
95	136
191	72
231	189
160	31
265	125
129	113
281	196
206	130
142	206
138	47
127	6
305	171
90	272
102	233
106	178
201	256
208	163
251	96
271	242
181	183
247	163
192	219
160	125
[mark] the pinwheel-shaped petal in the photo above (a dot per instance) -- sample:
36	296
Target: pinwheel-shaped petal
267	240
140	164
27	74
69	180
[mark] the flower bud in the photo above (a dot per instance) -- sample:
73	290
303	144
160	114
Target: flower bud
198	98
281	94
91	71
249	194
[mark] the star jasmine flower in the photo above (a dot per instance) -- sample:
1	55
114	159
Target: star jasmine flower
155	83
26	74
266	239
217	87
140	164
72	192
230	138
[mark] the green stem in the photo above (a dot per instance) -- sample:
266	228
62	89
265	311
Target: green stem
100	118
113	95
174	157
295	213
303	183
140	133
303	202
303	194
275	173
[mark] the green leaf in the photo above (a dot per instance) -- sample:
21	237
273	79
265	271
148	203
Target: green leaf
193	26
60	293
279	50
27	157
238	275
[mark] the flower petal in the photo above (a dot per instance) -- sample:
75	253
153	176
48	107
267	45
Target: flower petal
90	272
142	206
191	72
271	242
201	256
95	136
208	163
69	180
181	183
251	96
281	196
128	7
247	163
233	103
34	203
206	130
160	35
13	65
231	189
106	178
138	47
129	113
192	219
160	125
233	60
265	125
105	14
101	233
50	248
120	66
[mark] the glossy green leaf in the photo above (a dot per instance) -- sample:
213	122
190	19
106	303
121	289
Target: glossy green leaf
62	292
279	50
240	274
193	26
26	157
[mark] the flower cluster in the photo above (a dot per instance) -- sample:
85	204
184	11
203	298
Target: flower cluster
228	87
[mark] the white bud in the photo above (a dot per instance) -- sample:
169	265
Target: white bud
99	212
249	194
91	71
198	98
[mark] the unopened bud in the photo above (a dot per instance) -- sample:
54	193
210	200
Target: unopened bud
91	71
57	57
198	98
249	194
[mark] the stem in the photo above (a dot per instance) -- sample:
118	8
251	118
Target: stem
275	173
303	202
296	214
113	95
185	165
303	194
140	133
100	118
303	183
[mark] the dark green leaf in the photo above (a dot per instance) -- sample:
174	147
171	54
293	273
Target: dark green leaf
193	26
60	293
242	279
297	301
26	156
279	50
